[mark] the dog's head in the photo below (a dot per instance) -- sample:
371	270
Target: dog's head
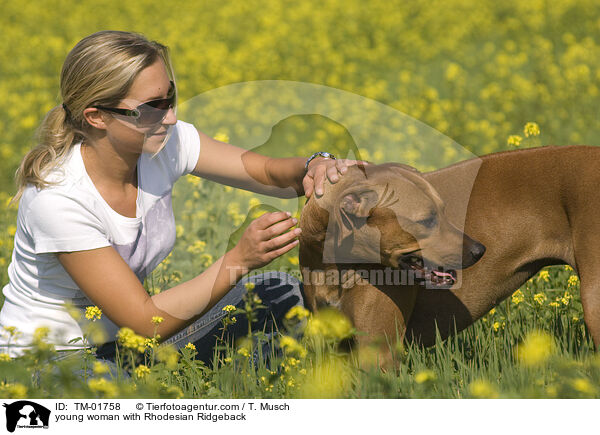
390	214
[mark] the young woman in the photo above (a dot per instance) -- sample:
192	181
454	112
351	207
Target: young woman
95	214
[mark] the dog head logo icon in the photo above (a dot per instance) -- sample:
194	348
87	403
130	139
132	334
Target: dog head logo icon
26	414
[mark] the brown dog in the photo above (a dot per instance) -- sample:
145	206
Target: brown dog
372	240
531	208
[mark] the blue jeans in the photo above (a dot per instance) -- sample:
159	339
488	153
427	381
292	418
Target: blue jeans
278	291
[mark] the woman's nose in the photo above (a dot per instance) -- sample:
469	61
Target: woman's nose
171	117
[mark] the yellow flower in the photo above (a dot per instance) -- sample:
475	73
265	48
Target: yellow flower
583	386
554	304
425	376
531	129
492	312
190	346
329	323
13	391
197	247
73	311
514	140
544	275
482	390
518	297
254	202
107	388
294	260
291	345
100	368
566	298
193	180
297	311
142	371
568	268
129	339
573	281
540	298
244	352
328	379
95	331
41	334
151	342
229	308
12	230
168	355
535	349
249	286
222	137
4	357
206	259
157	320
174	390
93	313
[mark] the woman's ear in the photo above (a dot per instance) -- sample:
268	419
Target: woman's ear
94	118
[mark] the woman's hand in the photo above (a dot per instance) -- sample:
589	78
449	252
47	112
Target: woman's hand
320	168
265	239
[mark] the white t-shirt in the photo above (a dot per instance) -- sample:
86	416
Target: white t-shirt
73	216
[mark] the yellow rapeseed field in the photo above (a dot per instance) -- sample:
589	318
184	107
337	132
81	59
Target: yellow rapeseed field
426	83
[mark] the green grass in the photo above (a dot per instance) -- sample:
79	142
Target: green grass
505	64
480	361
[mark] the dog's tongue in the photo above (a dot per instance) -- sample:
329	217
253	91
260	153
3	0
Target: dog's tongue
443	275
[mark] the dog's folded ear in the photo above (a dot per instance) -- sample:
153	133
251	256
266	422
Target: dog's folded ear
353	210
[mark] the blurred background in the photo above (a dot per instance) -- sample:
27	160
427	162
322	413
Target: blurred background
472	73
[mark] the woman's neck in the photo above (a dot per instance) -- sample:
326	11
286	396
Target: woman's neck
109	168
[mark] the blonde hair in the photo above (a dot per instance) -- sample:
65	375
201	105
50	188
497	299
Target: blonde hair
99	70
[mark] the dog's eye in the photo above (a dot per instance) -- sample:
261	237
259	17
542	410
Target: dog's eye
430	222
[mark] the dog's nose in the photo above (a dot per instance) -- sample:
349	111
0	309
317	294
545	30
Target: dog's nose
477	251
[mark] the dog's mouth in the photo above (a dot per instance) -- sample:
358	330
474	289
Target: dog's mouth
435	277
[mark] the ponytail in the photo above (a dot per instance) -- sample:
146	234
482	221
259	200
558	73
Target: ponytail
54	137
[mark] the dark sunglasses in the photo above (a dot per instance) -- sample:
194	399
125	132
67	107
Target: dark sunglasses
149	113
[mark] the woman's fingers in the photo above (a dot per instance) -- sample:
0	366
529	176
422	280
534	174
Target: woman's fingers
281	241
278	228
279	252
319	179
314	180
308	183
333	173
275	234
341	165
266	220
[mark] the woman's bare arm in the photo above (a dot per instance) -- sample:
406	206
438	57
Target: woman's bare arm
108	281
283	177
